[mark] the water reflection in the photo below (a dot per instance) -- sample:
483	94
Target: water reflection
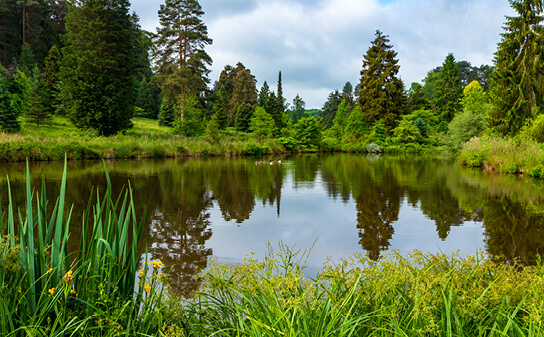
210	207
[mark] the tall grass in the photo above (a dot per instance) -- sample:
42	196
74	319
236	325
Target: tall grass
505	155
414	295
47	290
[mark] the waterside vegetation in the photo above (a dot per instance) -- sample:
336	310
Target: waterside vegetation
104	288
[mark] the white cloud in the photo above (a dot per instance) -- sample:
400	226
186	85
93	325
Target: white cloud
319	45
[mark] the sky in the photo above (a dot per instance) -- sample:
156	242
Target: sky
318	45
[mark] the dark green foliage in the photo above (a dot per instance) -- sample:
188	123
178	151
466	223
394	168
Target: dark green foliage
298	109
36	105
166	113
179	53
97	66
262	124
381	94
326	115
347	94
274	108
307	132
147	97
263	94
51	80
244	91
220	107
281	100
213	131
8	113
448	90
517	89
10	32
226	79
418	101
243	116
190	122
420	124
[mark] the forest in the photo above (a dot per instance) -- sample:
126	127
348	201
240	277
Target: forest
91	63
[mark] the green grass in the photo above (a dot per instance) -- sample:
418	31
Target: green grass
504	155
145	140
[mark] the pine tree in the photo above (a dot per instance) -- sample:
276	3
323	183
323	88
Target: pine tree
36	106
330	107
517	89
280	98
51	80
244	113
8	113
418	101
179	54
220	106
448	90
381	93
166	114
97	66
263	94
298	110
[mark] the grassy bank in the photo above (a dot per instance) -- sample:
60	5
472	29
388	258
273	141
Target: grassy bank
145	140
504	155
102	289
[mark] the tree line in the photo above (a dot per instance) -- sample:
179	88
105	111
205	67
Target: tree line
91	61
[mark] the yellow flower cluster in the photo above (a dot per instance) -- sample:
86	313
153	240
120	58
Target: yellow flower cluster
156	263
73	292
68	276
147	288
52	291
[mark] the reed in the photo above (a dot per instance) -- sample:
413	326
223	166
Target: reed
48	290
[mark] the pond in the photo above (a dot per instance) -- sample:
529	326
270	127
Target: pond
340	204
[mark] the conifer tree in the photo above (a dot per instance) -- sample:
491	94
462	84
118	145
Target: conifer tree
263	94
8	113
220	106
51	80
448	90
97	66
179	54
330	107
381	93
298	110
517	89
262	124
418	101
280	95
244	91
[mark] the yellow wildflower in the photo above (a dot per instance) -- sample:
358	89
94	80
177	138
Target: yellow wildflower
52	291
68	276
141	273
49	270
147	288
73	292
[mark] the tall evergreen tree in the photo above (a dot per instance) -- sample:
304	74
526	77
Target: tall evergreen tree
448	90
10	32
517	89
8	112
347	93
418	101
244	91
298	109
220	106
330	107
381	94
280	98
263	94
179	54
97	66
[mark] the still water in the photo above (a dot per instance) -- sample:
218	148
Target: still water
229	207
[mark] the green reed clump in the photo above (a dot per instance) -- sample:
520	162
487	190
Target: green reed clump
414	295
47	290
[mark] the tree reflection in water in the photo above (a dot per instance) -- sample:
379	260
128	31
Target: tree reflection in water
181	195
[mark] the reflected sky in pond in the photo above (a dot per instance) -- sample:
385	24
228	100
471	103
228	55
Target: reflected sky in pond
229	207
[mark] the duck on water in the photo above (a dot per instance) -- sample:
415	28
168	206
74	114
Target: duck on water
271	162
